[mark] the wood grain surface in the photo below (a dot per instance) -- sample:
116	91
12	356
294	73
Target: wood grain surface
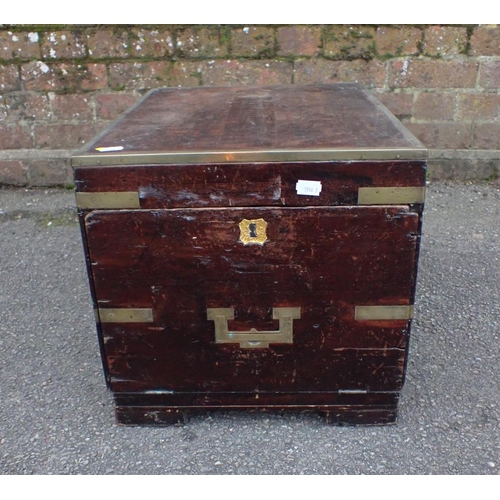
324	260
244	184
179	250
255	118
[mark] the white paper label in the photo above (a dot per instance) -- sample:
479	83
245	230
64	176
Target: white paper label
308	188
111	148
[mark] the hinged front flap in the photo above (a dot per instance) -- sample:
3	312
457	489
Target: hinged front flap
181	300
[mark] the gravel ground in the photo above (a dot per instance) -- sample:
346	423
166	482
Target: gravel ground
56	416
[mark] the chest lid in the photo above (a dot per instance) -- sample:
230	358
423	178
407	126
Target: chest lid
318	122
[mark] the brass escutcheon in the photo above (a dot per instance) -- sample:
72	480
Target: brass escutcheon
252	338
253	231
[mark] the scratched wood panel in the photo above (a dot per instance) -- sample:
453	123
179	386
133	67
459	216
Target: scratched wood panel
341	415
253	118
153	409
331	332
248	400
193	259
280	369
162	360
259	184
325	260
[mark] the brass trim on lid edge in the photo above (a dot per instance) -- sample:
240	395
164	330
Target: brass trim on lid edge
275	155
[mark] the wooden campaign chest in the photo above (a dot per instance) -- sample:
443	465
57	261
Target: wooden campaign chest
253	248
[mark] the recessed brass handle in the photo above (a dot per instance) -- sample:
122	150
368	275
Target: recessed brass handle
253	338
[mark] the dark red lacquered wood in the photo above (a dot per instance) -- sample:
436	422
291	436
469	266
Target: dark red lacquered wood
253	399
247	184
180	254
338	408
241	119
179	263
340	415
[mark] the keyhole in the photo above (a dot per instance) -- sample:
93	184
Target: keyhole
253	230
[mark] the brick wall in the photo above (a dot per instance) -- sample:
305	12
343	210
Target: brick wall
60	85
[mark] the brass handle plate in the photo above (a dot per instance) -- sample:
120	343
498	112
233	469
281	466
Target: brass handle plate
252	338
